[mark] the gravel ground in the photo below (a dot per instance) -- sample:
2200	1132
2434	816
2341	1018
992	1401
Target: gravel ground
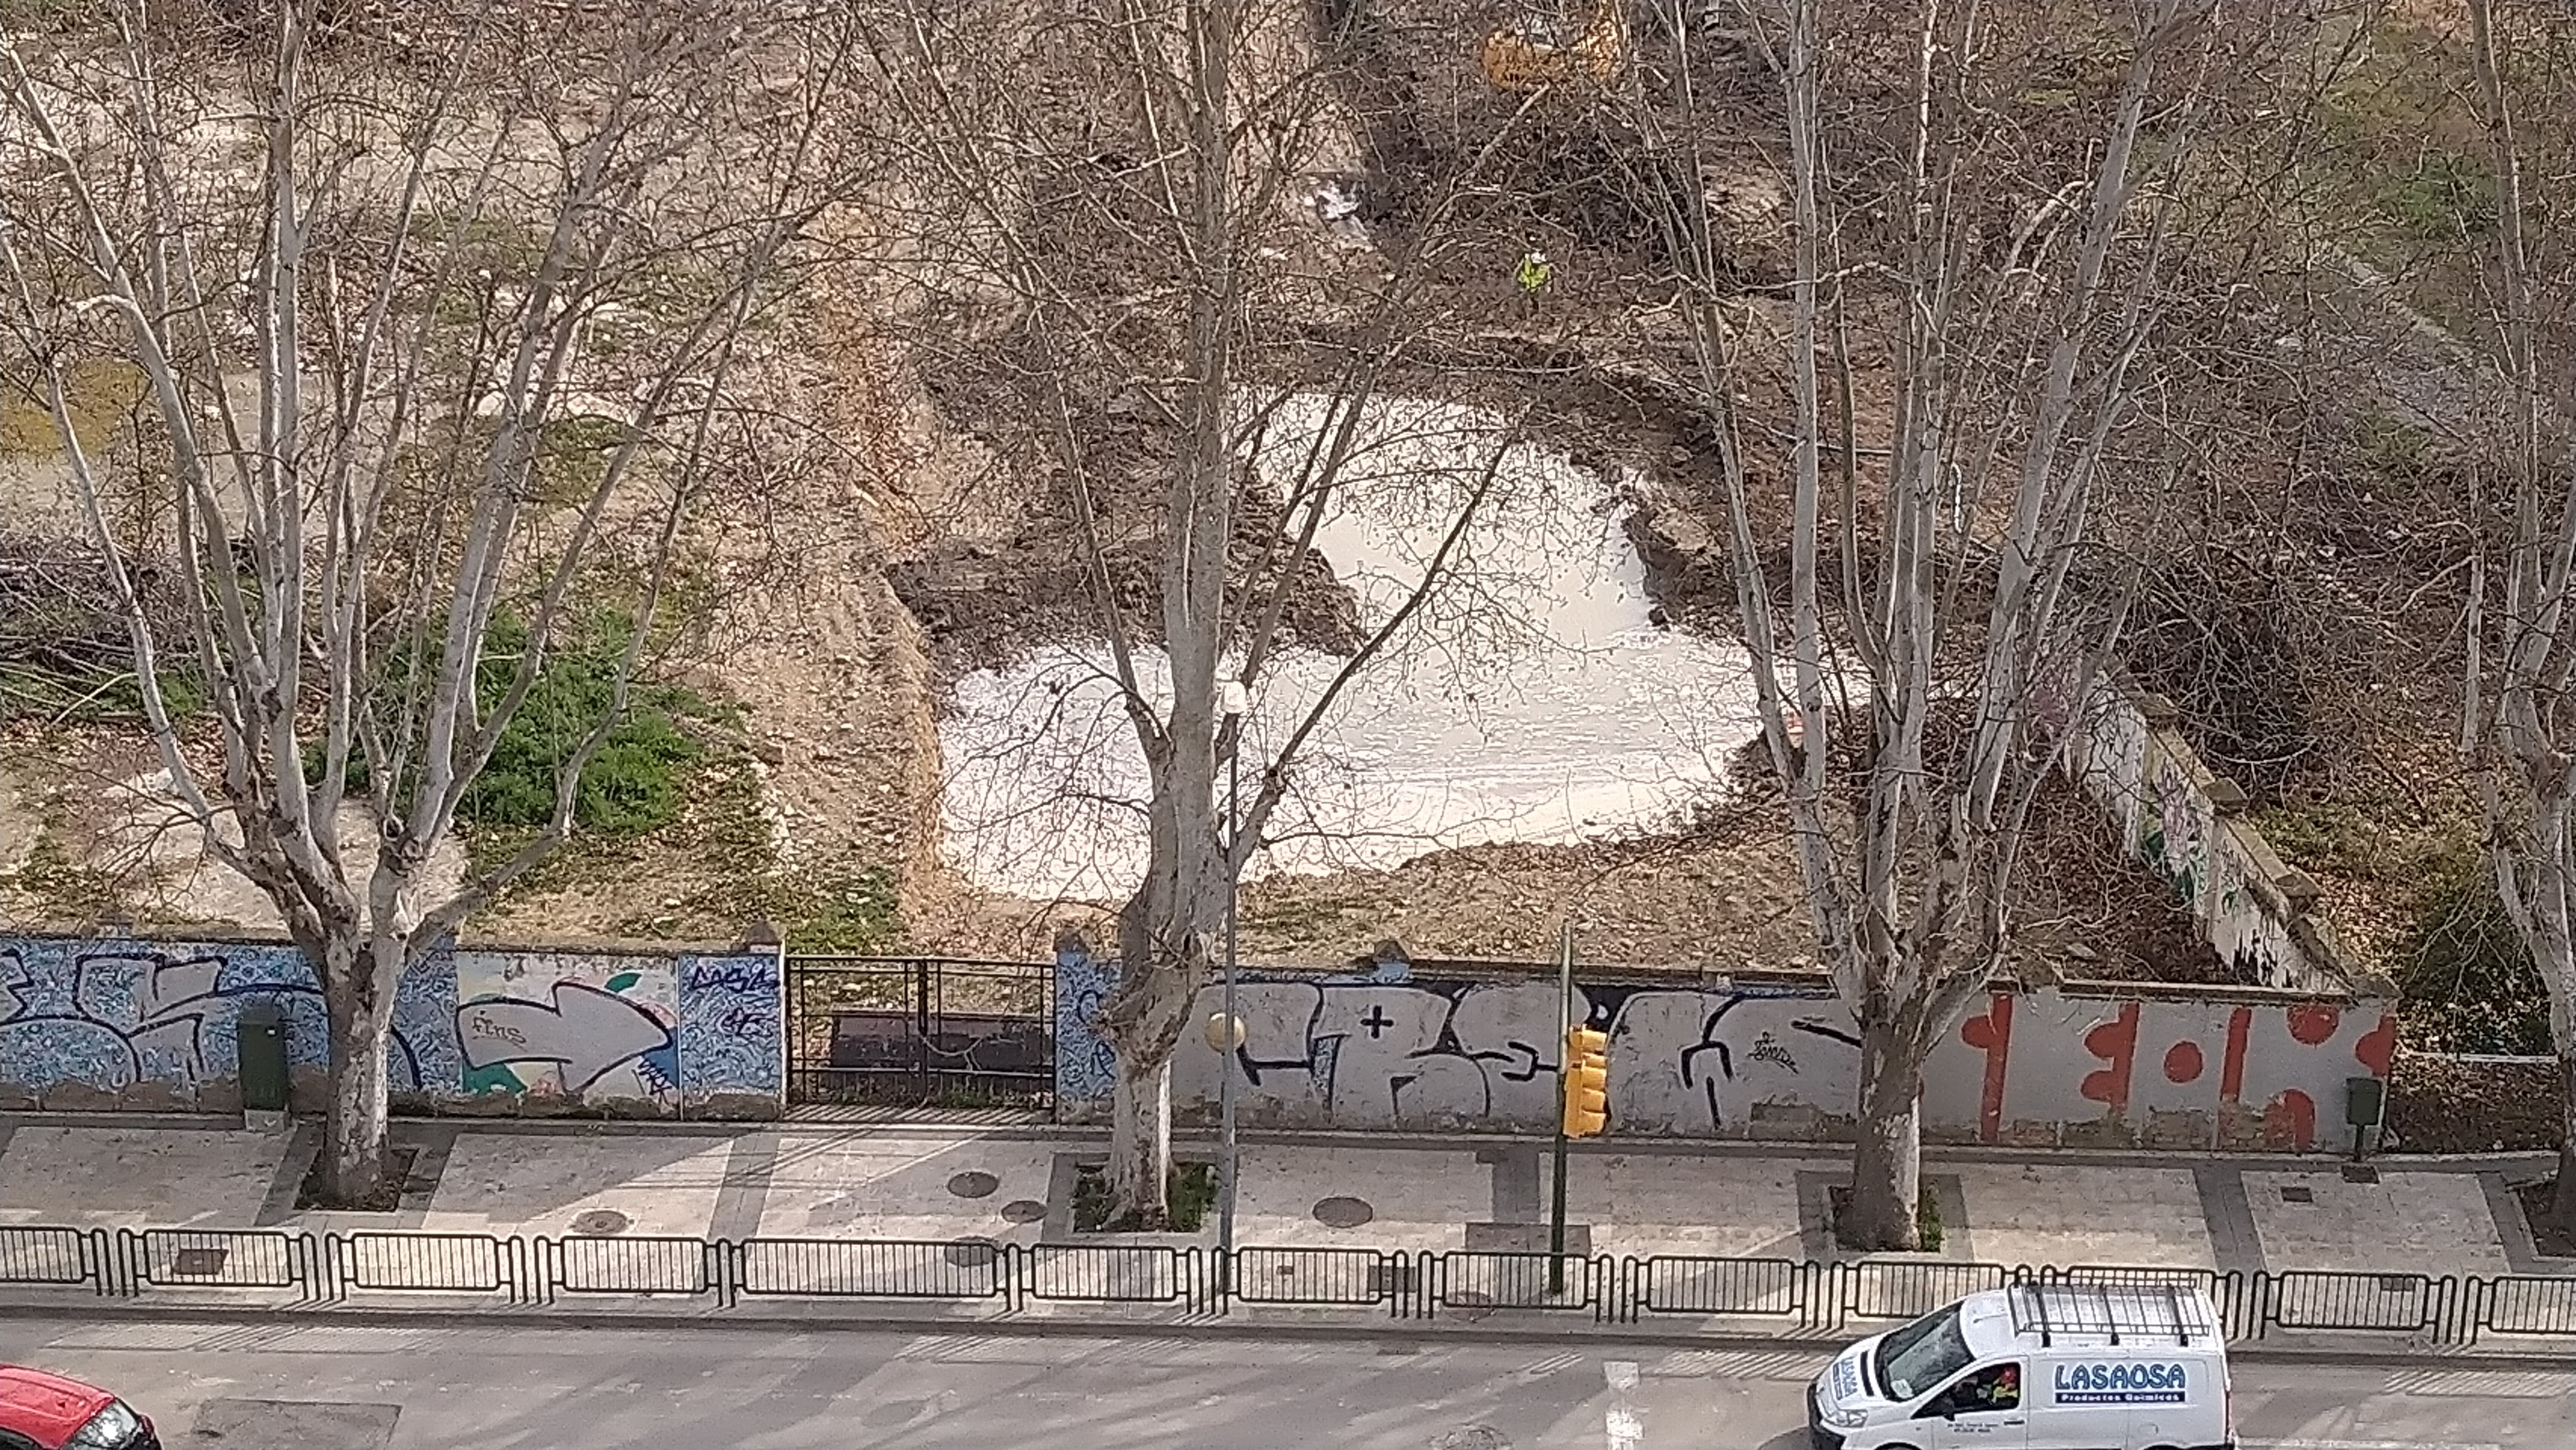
2438	1105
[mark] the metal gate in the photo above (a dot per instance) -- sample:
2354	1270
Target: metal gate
920	1031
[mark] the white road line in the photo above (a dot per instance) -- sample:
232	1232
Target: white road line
2367	1445
1622	1428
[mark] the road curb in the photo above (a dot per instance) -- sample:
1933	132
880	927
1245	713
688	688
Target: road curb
1204	1327
967	1124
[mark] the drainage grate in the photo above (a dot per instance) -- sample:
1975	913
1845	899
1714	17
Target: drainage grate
2298	1193
2397	1283
2360	1173
200	1263
971	1253
1394	1279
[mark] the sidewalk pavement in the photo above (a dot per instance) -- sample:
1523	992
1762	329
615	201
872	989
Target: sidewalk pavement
1015	1185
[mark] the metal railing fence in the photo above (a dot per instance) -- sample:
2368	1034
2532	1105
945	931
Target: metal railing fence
1785	1296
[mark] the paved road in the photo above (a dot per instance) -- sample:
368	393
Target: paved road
392	1387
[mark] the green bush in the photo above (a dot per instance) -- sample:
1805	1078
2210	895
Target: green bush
2447	195
818	907
1188	1195
2467	982
2332	836
635	783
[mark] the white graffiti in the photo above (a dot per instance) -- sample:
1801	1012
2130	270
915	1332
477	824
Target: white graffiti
585	1031
1431	1056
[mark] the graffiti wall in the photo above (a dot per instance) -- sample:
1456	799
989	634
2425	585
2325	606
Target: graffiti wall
2181	819
130	1023
1387	1049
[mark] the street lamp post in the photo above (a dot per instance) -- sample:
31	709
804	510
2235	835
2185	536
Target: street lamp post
1234	701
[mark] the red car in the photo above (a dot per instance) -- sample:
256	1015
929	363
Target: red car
40	1411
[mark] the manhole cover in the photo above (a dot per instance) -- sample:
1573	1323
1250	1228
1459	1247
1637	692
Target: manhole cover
893	1414
973	1185
601	1223
972	1253
1472	1437
2298	1193
1343	1212
202	1263
1024	1210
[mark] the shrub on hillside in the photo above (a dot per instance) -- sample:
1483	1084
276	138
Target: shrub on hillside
634	784
2467	982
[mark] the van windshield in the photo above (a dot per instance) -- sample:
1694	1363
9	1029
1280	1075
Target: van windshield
1921	1355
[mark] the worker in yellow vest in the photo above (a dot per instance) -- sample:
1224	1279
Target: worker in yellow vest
1533	273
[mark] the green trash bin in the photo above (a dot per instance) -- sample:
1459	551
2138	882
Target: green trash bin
2365	1104
263	1060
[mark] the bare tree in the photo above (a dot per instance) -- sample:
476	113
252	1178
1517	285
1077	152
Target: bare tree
2518	728
368	282
1174	267
1935	603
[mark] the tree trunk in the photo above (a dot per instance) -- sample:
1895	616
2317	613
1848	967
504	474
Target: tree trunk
353	1148
1887	1154
1140	1142
1142	1022
1163	960
2562	1204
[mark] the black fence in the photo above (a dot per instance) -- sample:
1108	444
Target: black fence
920	1031
1785	1297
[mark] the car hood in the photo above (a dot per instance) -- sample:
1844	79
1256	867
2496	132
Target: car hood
45	1406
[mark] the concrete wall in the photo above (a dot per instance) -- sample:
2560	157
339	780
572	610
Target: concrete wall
2182	819
133	1023
1773	1059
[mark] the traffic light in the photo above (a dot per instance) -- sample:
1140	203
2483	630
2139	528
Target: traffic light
1587	1082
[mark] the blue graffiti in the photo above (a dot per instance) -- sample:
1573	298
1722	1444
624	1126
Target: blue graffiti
731	1039
115	1014
1085	1069
747	975
111	1016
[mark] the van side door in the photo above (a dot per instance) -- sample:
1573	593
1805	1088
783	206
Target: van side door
1980	1410
2188	1406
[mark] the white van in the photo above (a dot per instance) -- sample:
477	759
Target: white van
2055	1366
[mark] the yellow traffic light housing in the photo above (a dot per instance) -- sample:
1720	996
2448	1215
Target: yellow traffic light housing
1587	1082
